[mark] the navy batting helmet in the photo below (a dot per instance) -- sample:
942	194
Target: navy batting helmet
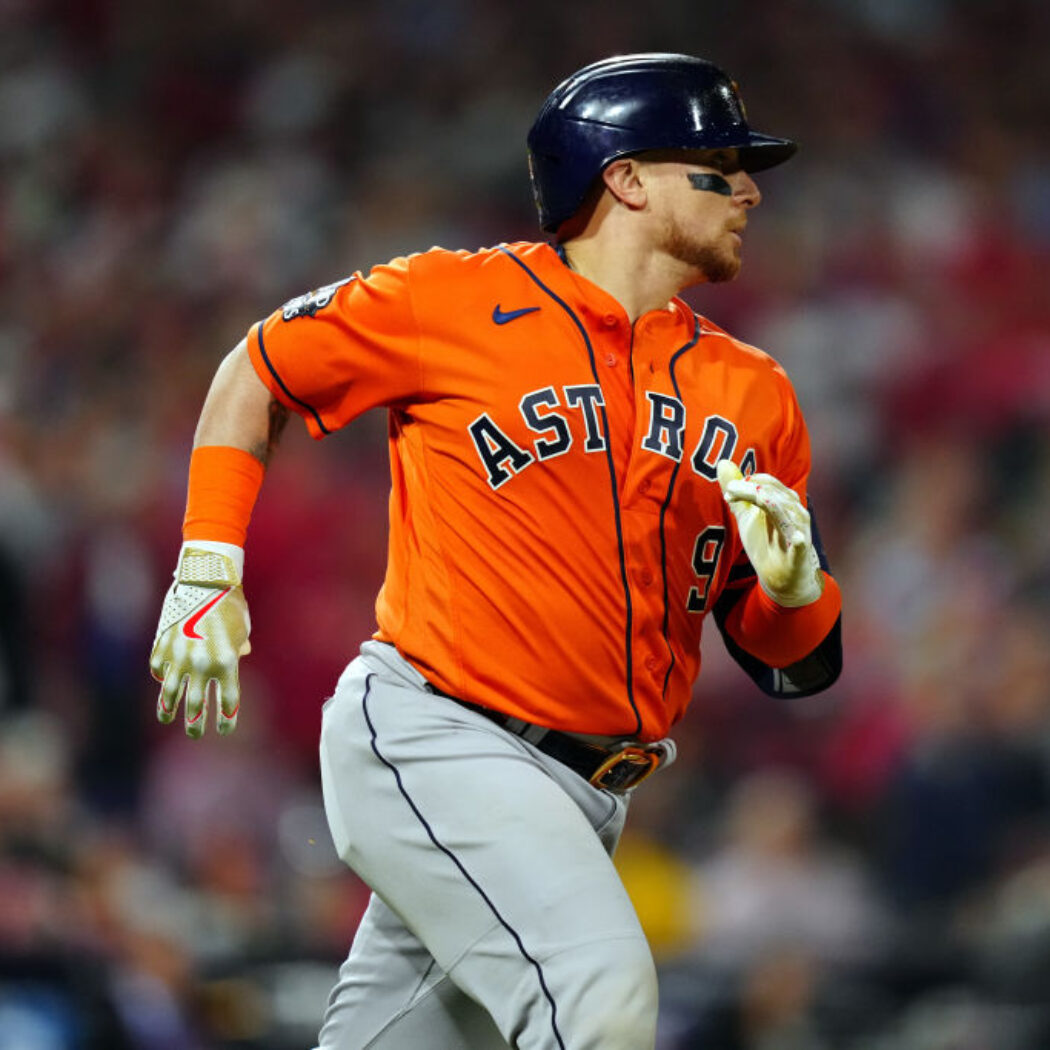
629	104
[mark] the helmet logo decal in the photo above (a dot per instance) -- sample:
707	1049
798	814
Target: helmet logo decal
739	99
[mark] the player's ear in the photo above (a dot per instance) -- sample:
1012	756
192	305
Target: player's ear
623	179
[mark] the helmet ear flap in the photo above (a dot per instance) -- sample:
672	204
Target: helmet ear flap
629	104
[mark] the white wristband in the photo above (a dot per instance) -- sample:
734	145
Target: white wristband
231	550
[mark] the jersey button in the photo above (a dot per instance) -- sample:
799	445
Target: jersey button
652	663
611	359
610	320
644	485
646	577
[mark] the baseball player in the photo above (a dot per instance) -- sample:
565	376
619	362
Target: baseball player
582	469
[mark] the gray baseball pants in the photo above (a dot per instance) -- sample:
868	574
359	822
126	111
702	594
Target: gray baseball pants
497	918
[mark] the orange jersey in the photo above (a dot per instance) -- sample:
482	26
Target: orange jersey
557	531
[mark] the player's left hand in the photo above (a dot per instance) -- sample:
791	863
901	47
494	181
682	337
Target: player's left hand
775	531
202	634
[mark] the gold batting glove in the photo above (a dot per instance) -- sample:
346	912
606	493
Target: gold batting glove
202	634
775	531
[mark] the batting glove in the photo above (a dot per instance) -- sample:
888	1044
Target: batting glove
775	531
202	634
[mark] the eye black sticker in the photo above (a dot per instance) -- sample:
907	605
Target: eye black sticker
713	183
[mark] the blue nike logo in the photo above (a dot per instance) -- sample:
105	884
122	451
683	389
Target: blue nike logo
501	317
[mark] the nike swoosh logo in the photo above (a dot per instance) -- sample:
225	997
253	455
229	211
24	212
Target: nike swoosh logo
502	317
189	628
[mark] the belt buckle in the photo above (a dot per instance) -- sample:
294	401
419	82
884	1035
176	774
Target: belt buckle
626	768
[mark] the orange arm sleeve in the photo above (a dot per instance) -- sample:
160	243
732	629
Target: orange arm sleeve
777	636
224	483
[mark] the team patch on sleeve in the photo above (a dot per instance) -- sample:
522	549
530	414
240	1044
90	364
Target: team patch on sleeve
307	305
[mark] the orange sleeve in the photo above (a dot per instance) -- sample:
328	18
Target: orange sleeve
780	637
224	483
336	352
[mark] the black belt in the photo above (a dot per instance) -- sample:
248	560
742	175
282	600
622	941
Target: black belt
613	769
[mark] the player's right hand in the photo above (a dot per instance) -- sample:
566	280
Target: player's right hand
202	634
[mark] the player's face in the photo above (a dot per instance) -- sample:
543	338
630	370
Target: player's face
699	222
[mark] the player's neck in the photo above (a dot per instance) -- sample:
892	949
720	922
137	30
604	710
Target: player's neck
639	279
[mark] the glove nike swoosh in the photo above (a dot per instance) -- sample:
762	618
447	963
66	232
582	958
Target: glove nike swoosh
189	628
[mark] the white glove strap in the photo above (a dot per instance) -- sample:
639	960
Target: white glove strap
210	563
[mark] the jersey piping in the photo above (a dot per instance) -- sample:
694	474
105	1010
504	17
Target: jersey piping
281	383
628	604
667	502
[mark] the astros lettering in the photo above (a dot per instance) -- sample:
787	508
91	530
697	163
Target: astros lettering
502	458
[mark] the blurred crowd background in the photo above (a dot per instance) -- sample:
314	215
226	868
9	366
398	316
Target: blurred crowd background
864	870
